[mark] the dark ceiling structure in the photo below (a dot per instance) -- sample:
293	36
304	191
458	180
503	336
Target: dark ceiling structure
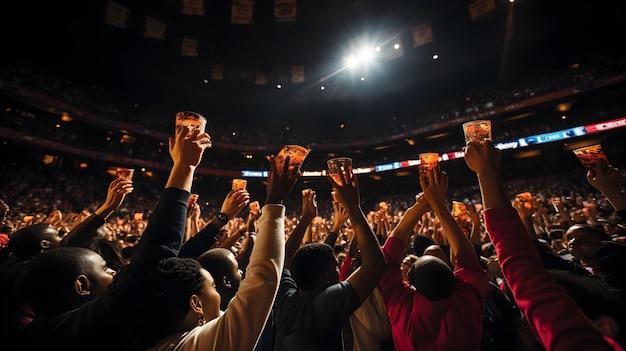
78	39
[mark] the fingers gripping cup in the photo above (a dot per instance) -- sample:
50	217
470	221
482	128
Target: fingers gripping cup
189	118
296	154
477	131
338	166
193	198
239	184
125	173
428	161
589	155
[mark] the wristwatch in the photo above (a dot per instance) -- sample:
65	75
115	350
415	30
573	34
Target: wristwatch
222	217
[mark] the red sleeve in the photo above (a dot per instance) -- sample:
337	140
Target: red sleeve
552	314
346	268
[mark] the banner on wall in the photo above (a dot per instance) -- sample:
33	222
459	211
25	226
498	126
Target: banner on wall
242	12
192	7
422	34
154	28
217	71
116	15
297	74
481	8
190	47
285	11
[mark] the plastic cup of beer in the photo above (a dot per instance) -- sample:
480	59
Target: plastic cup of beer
239	184
189	118
477	131
459	209
125	173
589	155
428	161
254	207
296	154
193	198
339	165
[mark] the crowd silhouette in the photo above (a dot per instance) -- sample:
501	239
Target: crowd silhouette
90	260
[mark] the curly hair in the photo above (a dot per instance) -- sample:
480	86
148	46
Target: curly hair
166	292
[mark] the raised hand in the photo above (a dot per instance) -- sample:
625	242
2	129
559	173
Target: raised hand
234	202
348	191
279	186
188	146
118	189
309	203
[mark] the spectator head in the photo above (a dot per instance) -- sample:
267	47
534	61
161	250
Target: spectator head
420	243
406	265
584	240
437	251
432	278
224	268
178	294
62	279
30	241
314	267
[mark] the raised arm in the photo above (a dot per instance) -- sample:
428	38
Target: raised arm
607	180
339	219
435	188
409	221
553	315
309	211
84	233
241	325
373	266
206	237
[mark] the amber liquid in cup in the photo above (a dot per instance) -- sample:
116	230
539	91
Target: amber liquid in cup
189	118
338	166
193	198
296	154
126	173
477	131
428	161
588	156
239	184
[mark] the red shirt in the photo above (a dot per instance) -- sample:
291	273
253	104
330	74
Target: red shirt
417	323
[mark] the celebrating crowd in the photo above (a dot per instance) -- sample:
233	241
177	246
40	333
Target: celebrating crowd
512	266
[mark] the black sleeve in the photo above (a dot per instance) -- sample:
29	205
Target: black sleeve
199	243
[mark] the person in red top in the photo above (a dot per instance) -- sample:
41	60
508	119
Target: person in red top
439	309
550	311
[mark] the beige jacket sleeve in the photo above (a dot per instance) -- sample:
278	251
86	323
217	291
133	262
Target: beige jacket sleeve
241	325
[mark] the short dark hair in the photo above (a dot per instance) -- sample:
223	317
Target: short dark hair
46	281
165	302
597	231
309	262
219	262
26	242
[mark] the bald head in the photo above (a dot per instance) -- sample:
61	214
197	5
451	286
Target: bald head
432	277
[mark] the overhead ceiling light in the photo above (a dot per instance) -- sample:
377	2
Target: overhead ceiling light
564	106
436	136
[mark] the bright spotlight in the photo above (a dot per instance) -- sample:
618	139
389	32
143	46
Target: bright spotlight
396	46
351	60
322	88
435	56
278	86
362	78
377	49
366	55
